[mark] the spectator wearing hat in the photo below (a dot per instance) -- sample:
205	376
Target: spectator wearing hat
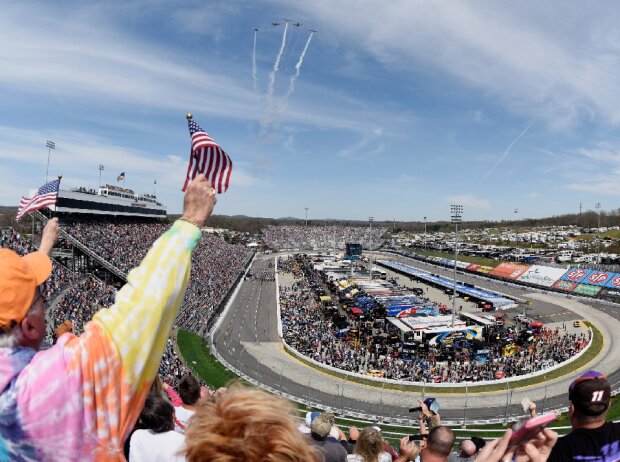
247	425
80	398
591	437
320	429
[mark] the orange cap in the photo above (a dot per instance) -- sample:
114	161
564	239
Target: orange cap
20	277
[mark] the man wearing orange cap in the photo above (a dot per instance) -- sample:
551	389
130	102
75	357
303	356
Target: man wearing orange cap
79	399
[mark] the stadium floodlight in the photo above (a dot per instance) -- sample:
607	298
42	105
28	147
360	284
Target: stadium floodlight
424	233
50	145
370	220
516	234
598	231
100	170
306	208
456	215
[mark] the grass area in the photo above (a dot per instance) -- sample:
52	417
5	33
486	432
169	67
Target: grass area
593	351
612	233
476	260
197	356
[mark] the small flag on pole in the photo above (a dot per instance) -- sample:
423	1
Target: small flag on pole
46	195
121	177
206	156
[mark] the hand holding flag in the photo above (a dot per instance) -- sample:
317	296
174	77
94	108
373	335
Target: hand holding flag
207	157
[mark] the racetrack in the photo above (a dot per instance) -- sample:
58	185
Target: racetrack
247	338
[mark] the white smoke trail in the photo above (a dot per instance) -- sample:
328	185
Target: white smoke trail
254	77
276	65
507	151
291	85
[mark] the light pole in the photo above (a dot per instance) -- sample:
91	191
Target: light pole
50	145
424	233
598	231
370	220
516	234
306	208
100	170
456	215
154	183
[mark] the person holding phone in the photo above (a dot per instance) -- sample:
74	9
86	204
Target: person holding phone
536	450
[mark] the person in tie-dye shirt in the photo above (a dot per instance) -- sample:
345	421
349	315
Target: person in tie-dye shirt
79	399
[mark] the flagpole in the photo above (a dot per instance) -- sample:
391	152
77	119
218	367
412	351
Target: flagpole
50	145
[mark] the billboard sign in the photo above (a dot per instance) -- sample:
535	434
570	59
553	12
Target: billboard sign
509	270
575	275
587	289
543	276
565	286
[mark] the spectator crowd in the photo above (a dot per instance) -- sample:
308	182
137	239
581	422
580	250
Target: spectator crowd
361	348
322	237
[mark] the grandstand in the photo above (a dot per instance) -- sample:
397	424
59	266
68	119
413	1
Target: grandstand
322	237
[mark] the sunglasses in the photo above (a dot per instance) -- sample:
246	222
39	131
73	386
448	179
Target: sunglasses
577	381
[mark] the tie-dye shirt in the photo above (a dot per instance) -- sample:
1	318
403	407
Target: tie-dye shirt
79	399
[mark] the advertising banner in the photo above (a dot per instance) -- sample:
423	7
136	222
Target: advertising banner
543	276
462	264
610	295
598	278
614	282
510	270
587	289
484	269
575	275
405	311
446	262
473	267
566	286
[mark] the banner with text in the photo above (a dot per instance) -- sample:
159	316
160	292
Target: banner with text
543	276
510	270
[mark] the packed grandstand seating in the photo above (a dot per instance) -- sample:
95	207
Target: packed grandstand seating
215	263
215	267
322	237
365	347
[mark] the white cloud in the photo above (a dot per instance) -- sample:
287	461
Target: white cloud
521	54
469	200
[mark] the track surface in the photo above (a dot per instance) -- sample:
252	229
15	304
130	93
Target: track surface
248	339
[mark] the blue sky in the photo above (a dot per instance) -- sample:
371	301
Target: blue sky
400	108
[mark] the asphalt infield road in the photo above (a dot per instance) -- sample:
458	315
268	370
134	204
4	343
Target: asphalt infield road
248	339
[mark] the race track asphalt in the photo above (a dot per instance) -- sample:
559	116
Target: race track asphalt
247	338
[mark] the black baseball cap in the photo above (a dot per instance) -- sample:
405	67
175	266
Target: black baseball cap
590	393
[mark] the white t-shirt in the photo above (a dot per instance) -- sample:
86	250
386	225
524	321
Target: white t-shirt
148	446
182	416
383	457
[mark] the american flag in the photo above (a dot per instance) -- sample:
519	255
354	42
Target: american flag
121	177
46	195
206	156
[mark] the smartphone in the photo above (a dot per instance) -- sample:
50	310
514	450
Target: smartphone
417	437
525	430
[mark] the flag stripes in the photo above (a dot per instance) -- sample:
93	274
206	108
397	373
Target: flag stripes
46	195
207	157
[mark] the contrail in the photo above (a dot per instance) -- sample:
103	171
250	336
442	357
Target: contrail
291	86
254	77
276	65
499	161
